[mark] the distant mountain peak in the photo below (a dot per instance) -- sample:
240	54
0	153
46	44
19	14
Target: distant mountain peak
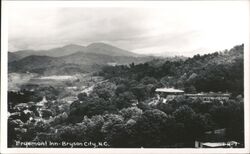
71	46
107	49
99	44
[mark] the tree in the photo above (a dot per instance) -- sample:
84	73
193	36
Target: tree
59	119
105	90
197	126
131	113
150	127
46	114
81	96
124	100
165	107
140	92
114	130
148	80
72	133
190	89
93	130
121	88
184	115
12	134
90	106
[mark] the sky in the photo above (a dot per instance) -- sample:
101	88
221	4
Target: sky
163	28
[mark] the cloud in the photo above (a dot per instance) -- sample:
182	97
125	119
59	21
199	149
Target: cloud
172	27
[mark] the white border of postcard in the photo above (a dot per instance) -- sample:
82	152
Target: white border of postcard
4	81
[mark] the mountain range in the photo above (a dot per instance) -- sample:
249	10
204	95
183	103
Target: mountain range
97	48
71	59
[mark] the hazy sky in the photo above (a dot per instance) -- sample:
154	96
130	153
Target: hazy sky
177	27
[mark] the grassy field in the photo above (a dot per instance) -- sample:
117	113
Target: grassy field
68	85
16	80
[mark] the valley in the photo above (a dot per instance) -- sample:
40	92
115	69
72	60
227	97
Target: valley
95	97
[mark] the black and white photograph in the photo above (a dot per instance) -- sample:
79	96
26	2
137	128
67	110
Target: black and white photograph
125	75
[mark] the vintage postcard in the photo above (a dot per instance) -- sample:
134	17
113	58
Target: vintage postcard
125	77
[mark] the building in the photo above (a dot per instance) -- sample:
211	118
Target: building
42	103
209	97
229	144
21	106
167	94
112	64
215	139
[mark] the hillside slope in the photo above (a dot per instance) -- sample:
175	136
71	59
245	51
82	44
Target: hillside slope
219	71
77	62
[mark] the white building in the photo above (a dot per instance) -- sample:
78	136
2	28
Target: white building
167	94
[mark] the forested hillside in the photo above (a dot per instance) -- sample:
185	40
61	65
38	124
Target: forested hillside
219	71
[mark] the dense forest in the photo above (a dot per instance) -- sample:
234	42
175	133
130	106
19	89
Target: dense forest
219	71
118	110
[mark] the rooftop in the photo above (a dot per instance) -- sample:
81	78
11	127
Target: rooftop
169	90
212	94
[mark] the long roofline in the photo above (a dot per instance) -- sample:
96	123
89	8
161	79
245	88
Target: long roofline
169	90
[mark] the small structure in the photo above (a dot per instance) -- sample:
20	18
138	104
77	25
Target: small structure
112	64
215	139
21	106
228	144
135	102
42	103
168	93
70	99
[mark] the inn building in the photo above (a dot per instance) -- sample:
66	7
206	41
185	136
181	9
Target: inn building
168	94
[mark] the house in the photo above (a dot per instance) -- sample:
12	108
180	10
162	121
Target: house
167	94
134	102
70	99
21	106
42	103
